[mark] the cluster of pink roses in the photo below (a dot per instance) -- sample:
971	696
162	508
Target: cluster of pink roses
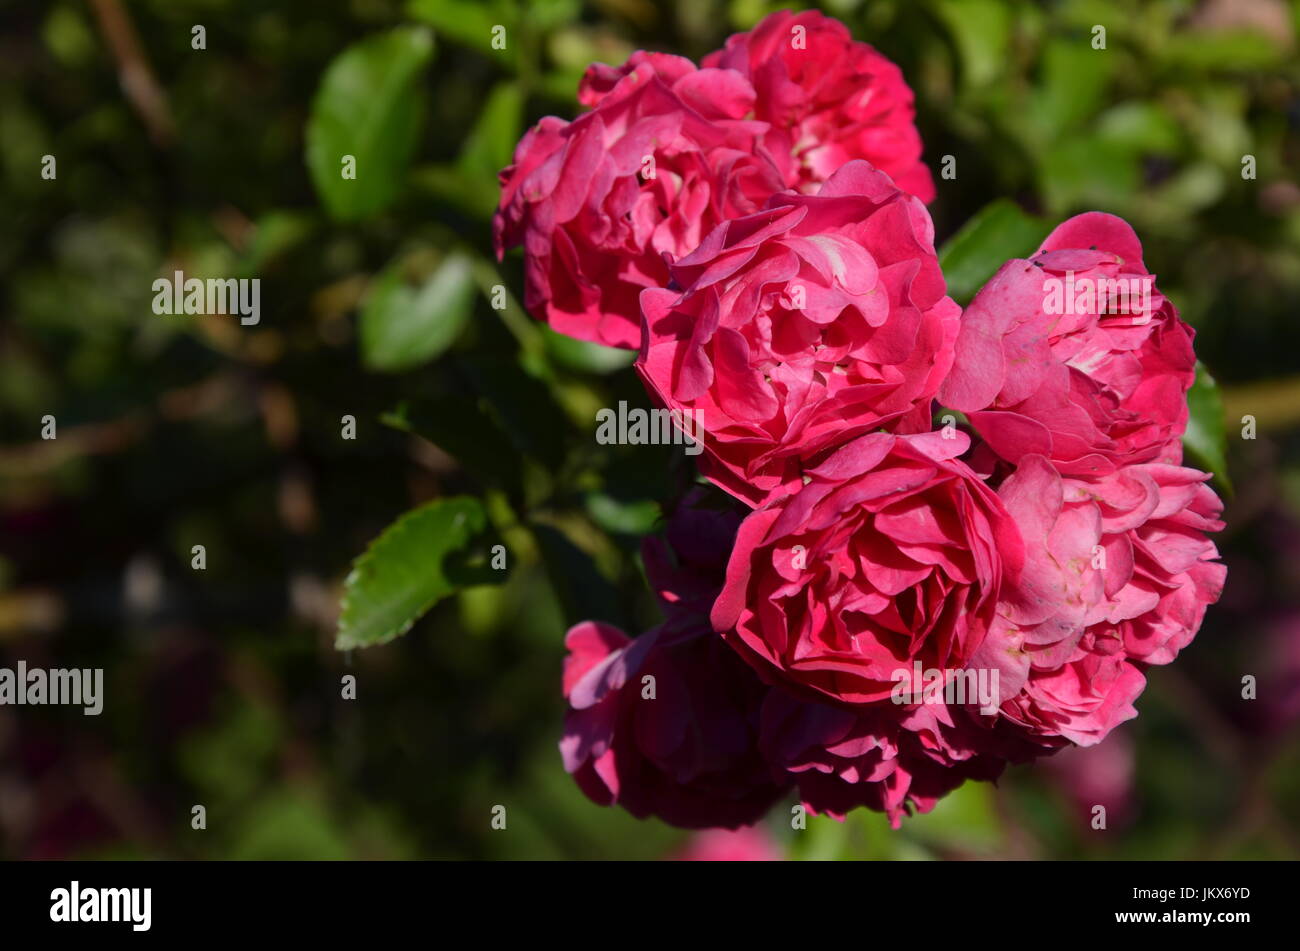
757	227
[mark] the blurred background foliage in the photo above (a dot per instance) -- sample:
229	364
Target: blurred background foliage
223	685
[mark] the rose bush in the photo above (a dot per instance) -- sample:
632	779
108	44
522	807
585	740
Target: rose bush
779	275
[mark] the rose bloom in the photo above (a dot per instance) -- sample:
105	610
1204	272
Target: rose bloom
1075	355
828	100
688	753
894	553
800	327
898	761
1138	596
668	152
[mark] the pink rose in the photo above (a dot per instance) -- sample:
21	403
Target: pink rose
1075	355
801	327
889	762
828	100
1136	597
667	153
895	553
1160	574
681	746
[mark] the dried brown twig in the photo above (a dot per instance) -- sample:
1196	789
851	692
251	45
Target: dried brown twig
134	72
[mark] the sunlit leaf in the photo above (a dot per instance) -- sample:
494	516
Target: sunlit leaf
491	144
470	23
368	107
403	326
417	561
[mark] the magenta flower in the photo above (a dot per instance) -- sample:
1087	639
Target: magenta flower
827	100
801	327
1075	355
597	203
894	553
895	609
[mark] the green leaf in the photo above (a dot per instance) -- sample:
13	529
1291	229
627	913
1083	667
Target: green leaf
368	106
475	195
1071	88
822	840
403	326
1141	127
491	144
417	561
1205	439
1197	186
276	234
981	30
469	23
1235	51
471	183
619	517
999	232
1090	173
584	356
